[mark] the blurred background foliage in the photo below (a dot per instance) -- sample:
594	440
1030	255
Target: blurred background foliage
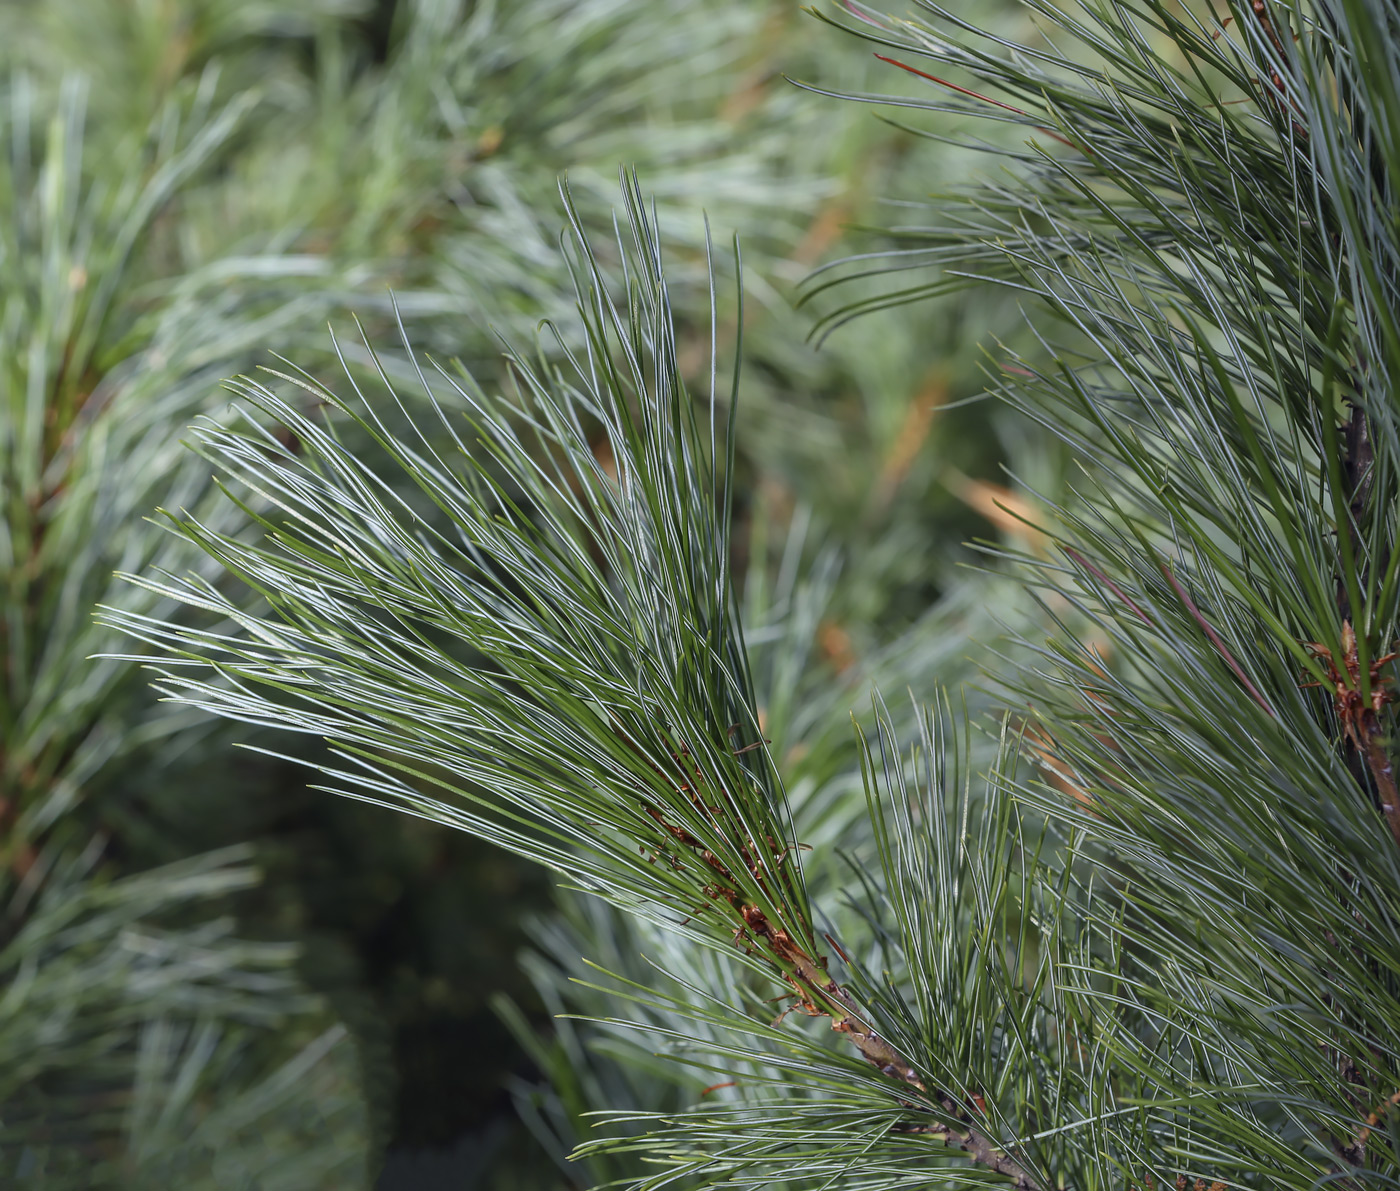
214	976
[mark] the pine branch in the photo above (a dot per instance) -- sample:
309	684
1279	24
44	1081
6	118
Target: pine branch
548	641
1209	240
208	1070
1185	970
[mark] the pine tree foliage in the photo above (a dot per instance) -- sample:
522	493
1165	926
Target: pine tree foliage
188	182
610	1063
179	191
625	575
1212	219
560	601
1157	945
90	388
140	1050
91	380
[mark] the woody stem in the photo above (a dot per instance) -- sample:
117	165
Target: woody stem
1378	761
830	999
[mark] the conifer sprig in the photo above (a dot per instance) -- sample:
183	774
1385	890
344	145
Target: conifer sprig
542	629
139	1046
590	661
1159	947
1206	237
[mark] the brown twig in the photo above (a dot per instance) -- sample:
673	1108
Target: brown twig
861	15
933	78
1109	583
1286	103
815	991
1359	716
1358	483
